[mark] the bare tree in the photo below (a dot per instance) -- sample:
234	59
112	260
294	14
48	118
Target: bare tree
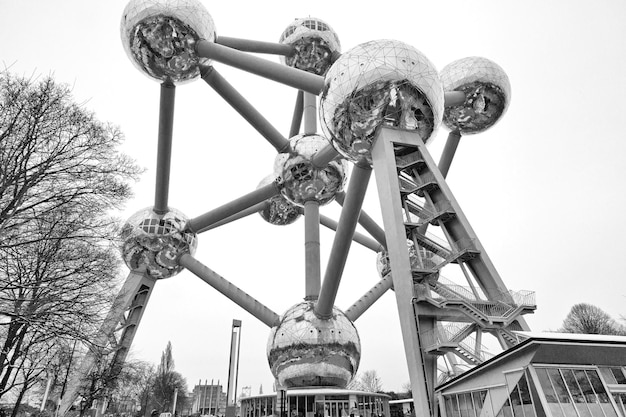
589	319
367	381
60	177
166	381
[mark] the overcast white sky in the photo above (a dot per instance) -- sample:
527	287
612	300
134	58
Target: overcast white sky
544	189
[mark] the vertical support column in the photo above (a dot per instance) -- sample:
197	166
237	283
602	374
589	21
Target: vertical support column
312	271
395	235
310	113
164	147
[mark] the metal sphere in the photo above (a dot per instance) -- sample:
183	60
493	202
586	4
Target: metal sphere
156	241
159	37
383	82
487	94
314	42
304	182
304	350
420	259
278	210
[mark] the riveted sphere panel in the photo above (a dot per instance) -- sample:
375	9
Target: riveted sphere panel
487	94
159	37
278	210
305	351
379	83
156	241
314	43
304	182
421	259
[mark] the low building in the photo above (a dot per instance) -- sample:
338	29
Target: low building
319	402
546	375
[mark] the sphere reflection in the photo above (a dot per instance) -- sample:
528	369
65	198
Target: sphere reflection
305	351
156	241
314	42
278	210
378	83
159	37
303	181
487	94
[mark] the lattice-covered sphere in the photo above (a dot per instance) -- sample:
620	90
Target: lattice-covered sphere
421	259
305	351
277	209
315	44
159	37
379	83
487	94
301	180
156	241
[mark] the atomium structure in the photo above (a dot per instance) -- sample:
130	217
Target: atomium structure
379	104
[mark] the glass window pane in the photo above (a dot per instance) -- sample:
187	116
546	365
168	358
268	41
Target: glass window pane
516	403
463	406
546	385
479	400
619	375
597	385
575	392
561	393
506	409
608	376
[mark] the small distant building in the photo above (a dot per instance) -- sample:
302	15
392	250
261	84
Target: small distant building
208	399
547	375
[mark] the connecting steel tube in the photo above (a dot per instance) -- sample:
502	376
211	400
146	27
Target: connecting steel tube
213	78
324	156
234	293
310	114
243	213
454	137
369	298
164	149
271	70
296	119
367	223
357	237
260	47
204	221
343	238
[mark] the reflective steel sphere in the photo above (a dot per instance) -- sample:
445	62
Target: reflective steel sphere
303	181
383	82
278	210
487	94
305	351
314	42
155	241
159	37
420	258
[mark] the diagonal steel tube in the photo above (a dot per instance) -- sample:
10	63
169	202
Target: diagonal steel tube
204	221
367	222
234	293
454	137
271	70
260	47
296	119
213	78
164	149
369	298
312	277
243	213
357	237
343	238
324	156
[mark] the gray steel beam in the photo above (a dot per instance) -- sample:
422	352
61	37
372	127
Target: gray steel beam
164	147
369	298
272	70
122	303
324	156
239	297
213	78
260	47
312	249
243	213
454	137
343	238
203	222
391	206
310	113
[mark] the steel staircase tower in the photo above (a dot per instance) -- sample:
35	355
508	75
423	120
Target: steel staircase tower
444	317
